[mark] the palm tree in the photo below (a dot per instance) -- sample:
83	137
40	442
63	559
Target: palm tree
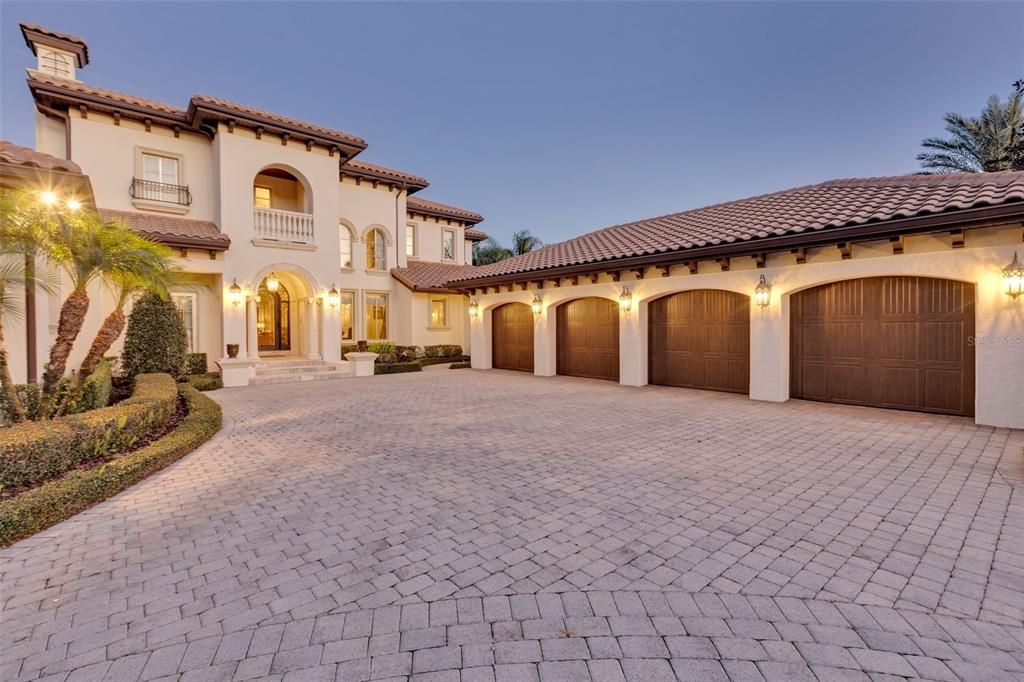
524	242
992	142
489	251
86	248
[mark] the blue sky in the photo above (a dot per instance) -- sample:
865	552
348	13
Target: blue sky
563	118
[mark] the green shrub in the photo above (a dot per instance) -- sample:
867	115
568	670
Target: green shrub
34	452
50	503
397	368
348	348
460	365
96	390
154	341
195	363
210	381
406	353
444	350
29	394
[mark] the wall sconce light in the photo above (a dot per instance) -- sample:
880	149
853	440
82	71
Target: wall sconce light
763	293
48	197
537	304
333	297
625	300
474	308
1013	278
74	204
272	283
235	293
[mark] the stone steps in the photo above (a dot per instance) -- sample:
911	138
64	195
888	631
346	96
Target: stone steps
290	371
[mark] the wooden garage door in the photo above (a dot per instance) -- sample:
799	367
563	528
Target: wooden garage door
512	337
700	339
898	342
588	338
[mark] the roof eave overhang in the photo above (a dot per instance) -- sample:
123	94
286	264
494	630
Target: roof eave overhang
972	218
185	242
48	93
75	47
24	177
444	215
409	184
411	286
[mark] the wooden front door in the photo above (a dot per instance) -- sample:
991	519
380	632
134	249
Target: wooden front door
512	337
588	338
896	342
700	339
273	321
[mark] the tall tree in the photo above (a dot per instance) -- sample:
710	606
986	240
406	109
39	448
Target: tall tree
524	242
492	251
994	141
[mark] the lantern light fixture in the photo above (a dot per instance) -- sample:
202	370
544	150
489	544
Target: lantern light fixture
333	297
272	283
625	300
537	304
763	293
48	197
74	204
1013	278
474	308
235	293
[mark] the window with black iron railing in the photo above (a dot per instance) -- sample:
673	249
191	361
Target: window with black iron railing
148	190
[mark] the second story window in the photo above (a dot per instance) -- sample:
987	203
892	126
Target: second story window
261	197
159	179
376	251
448	245
161	169
410	240
345	239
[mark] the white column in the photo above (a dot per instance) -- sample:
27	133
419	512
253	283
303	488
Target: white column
545	333
480	339
632	345
769	350
313	330
251	340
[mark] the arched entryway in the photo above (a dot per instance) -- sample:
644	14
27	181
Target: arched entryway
512	337
284	315
896	342
273	317
700	339
588	338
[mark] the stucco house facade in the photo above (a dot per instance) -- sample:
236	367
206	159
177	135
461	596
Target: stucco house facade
288	244
901	292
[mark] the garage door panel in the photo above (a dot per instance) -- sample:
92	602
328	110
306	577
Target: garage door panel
885	341
512	337
588	338
700	339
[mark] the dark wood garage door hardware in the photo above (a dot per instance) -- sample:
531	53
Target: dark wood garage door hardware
700	339
512	337
896	342
588	338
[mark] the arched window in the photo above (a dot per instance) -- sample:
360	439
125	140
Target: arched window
376	251
345	240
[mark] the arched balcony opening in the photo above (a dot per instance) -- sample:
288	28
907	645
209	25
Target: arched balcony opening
282	207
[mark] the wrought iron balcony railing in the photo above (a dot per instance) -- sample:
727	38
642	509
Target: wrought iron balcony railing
148	190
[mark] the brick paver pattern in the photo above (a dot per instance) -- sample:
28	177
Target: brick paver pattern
471	525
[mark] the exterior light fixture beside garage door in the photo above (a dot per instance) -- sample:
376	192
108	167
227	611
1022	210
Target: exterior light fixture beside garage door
1013	278
763	293
537	304
474	308
625	300
235	293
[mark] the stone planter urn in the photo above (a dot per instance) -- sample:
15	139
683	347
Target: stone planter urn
232	350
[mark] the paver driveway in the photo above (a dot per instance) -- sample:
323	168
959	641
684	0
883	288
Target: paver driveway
489	525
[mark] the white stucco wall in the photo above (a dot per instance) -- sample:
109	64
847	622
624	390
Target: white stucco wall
999	323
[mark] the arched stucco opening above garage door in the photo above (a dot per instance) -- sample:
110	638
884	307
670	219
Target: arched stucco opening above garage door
588	338
896	342
512	337
700	339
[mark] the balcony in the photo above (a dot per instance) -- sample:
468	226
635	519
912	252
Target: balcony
273	226
160	195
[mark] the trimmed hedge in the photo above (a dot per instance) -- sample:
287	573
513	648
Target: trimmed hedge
195	363
50	503
96	390
30	397
460	365
206	382
397	368
34	452
444	350
154	341
441	361
407	353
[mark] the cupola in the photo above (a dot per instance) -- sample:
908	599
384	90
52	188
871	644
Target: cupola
59	54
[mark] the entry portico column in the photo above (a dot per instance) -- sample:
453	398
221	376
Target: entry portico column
251	340
312	329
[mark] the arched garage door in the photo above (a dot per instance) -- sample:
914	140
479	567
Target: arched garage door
512	337
700	339
897	342
588	338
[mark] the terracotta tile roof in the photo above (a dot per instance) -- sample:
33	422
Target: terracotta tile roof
364	169
171	230
437	209
475	235
30	31
283	121
17	155
37	79
812	209
428	276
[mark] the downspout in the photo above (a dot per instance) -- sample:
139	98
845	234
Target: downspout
31	357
